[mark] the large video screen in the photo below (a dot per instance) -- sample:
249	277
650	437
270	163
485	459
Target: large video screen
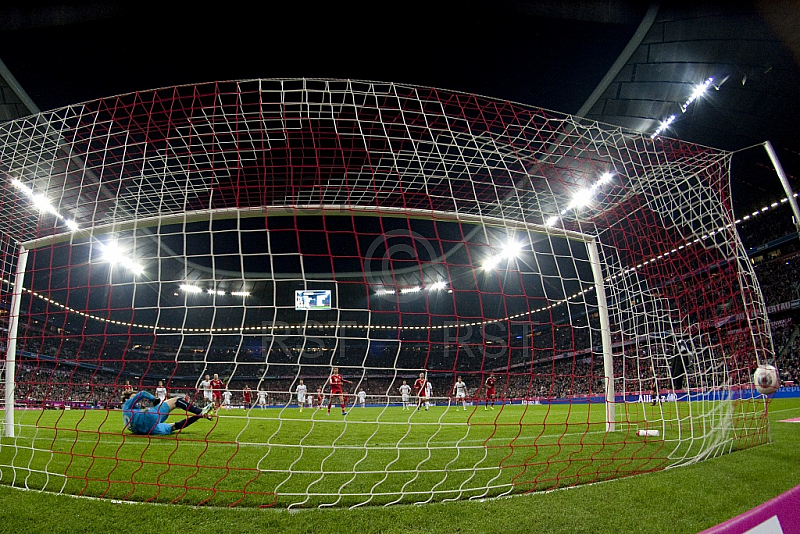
312	299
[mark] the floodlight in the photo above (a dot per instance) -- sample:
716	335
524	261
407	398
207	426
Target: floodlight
491	263
43	204
188	288
663	126
512	249
582	198
22	187
407	290
112	253
697	93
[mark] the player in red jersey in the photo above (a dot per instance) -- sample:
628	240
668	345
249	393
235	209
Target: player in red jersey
247	395
336	380
420	386
217	386
490	391
318	398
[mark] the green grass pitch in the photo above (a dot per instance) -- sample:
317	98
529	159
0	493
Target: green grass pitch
375	455
687	499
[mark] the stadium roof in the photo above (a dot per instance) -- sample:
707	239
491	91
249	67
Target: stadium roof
618	62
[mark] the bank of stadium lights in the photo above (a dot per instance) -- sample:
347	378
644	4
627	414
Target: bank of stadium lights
113	254
407	290
699	90
663	126
41	203
436	286
581	198
110	251
194	290
510	251
187	288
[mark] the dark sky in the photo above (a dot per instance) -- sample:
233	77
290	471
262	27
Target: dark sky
525	53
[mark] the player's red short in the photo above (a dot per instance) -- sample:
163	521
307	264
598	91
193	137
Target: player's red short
490	392
336	390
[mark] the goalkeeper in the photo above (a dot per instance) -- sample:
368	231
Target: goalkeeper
152	421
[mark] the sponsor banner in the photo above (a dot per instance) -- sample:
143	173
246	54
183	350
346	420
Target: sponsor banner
784	306
771	244
781	323
738	394
786	392
778	515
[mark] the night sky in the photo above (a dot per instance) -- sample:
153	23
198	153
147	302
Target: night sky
64	56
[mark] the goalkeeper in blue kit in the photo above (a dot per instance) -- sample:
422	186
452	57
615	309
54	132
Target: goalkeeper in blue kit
152	421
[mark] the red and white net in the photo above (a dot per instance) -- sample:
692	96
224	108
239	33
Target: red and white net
595	273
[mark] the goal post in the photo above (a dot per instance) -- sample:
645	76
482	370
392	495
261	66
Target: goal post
11	351
605	333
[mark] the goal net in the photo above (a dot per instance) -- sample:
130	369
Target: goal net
513	299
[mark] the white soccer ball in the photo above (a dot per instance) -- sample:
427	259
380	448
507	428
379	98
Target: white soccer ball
766	379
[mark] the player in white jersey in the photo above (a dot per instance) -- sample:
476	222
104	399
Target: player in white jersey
226	399
428	394
405	394
261	400
362	397
301	392
161	392
205	387
460	391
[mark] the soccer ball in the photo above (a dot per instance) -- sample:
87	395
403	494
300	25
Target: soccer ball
766	379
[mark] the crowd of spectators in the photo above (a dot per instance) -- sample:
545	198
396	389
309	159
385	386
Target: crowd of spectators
786	339
780	279
766	226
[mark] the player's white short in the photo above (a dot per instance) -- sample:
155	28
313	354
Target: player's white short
461	395
405	398
208	396
301	399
